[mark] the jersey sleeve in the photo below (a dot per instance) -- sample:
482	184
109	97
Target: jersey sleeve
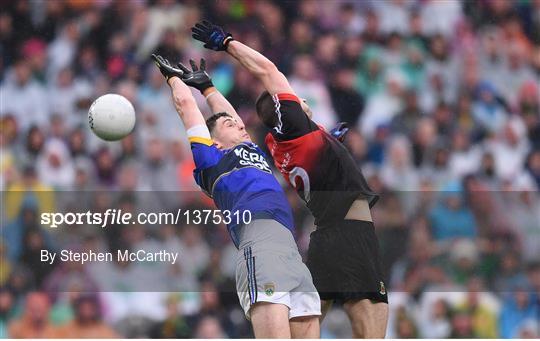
205	153
292	121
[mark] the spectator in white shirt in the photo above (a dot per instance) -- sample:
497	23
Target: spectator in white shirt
22	96
308	86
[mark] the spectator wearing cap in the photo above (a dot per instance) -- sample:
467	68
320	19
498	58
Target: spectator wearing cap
35	51
464	260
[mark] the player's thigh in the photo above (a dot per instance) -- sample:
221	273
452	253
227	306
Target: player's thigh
368	318
270	320
305	306
305	327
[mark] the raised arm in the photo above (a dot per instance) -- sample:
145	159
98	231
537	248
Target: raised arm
215	38
183	100
199	79
260	67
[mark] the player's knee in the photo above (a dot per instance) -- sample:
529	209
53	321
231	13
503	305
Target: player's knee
270	320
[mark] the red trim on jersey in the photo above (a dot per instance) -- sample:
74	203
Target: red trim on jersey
288	97
304	152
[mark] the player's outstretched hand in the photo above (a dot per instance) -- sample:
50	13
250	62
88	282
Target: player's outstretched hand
213	36
197	77
340	131
167	70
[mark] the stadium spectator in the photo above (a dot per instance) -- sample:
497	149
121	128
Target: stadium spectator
518	308
311	88
7	310
174	326
34	323
87	321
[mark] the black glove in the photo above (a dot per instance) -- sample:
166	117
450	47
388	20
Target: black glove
166	69
213	36
197	76
340	131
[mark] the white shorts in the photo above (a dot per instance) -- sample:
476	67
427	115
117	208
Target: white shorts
269	268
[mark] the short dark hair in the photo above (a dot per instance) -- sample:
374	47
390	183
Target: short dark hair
212	120
266	108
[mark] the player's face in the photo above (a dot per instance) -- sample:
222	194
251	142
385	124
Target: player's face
228	133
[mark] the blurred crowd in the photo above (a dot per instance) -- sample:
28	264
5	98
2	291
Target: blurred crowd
443	101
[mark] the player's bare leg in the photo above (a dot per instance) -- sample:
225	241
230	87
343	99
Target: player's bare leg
368	318
270	320
325	308
305	327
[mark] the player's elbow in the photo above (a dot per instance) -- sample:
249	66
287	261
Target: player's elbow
183	102
268	68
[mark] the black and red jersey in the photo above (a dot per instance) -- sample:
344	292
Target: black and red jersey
317	165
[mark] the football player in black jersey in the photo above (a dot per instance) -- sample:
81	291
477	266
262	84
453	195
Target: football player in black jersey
343	254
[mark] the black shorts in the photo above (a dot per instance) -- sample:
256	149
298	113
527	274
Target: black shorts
344	262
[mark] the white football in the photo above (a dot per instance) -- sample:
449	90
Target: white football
111	117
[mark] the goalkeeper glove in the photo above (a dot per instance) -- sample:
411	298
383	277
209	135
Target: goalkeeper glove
166	69
213	36
197	77
340	131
